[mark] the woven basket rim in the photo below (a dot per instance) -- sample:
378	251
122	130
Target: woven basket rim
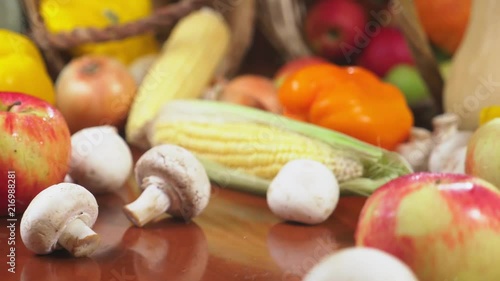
54	46
162	17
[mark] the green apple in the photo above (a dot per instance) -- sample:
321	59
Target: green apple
443	226
410	82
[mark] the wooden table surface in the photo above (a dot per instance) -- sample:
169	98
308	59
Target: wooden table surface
235	238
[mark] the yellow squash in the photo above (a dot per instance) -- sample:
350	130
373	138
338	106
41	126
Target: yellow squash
67	15
472	89
22	68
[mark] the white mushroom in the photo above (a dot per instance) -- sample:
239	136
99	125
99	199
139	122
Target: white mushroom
68	178
61	215
173	181
441	150
101	160
445	126
416	151
304	191
360	264
448	154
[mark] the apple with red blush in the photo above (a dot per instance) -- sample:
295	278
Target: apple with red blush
35	150
443	226
332	27
386	49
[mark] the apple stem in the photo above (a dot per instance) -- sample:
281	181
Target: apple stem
90	68
333	34
112	17
9	108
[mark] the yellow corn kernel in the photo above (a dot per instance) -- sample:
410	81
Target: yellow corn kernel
256	149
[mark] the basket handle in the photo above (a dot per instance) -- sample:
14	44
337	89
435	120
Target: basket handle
421	49
53	44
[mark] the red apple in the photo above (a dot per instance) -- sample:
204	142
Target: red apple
294	65
333	27
443	226
385	50
35	149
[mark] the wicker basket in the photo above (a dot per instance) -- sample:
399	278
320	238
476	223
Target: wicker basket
281	21
55	47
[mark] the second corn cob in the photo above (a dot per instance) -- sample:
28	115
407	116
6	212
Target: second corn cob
185	67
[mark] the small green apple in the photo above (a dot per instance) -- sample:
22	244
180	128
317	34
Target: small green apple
408	79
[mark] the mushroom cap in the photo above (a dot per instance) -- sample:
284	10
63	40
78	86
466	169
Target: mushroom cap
51	210
360	263
101	160
303	191
177	172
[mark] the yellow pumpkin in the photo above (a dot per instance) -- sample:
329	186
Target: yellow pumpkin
62	16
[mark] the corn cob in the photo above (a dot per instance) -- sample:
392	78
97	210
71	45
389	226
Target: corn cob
244	148
185	67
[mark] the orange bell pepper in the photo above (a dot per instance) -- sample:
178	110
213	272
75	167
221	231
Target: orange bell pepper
351	100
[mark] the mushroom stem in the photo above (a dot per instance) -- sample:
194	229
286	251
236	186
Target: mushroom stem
445	126
79	239
152	203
